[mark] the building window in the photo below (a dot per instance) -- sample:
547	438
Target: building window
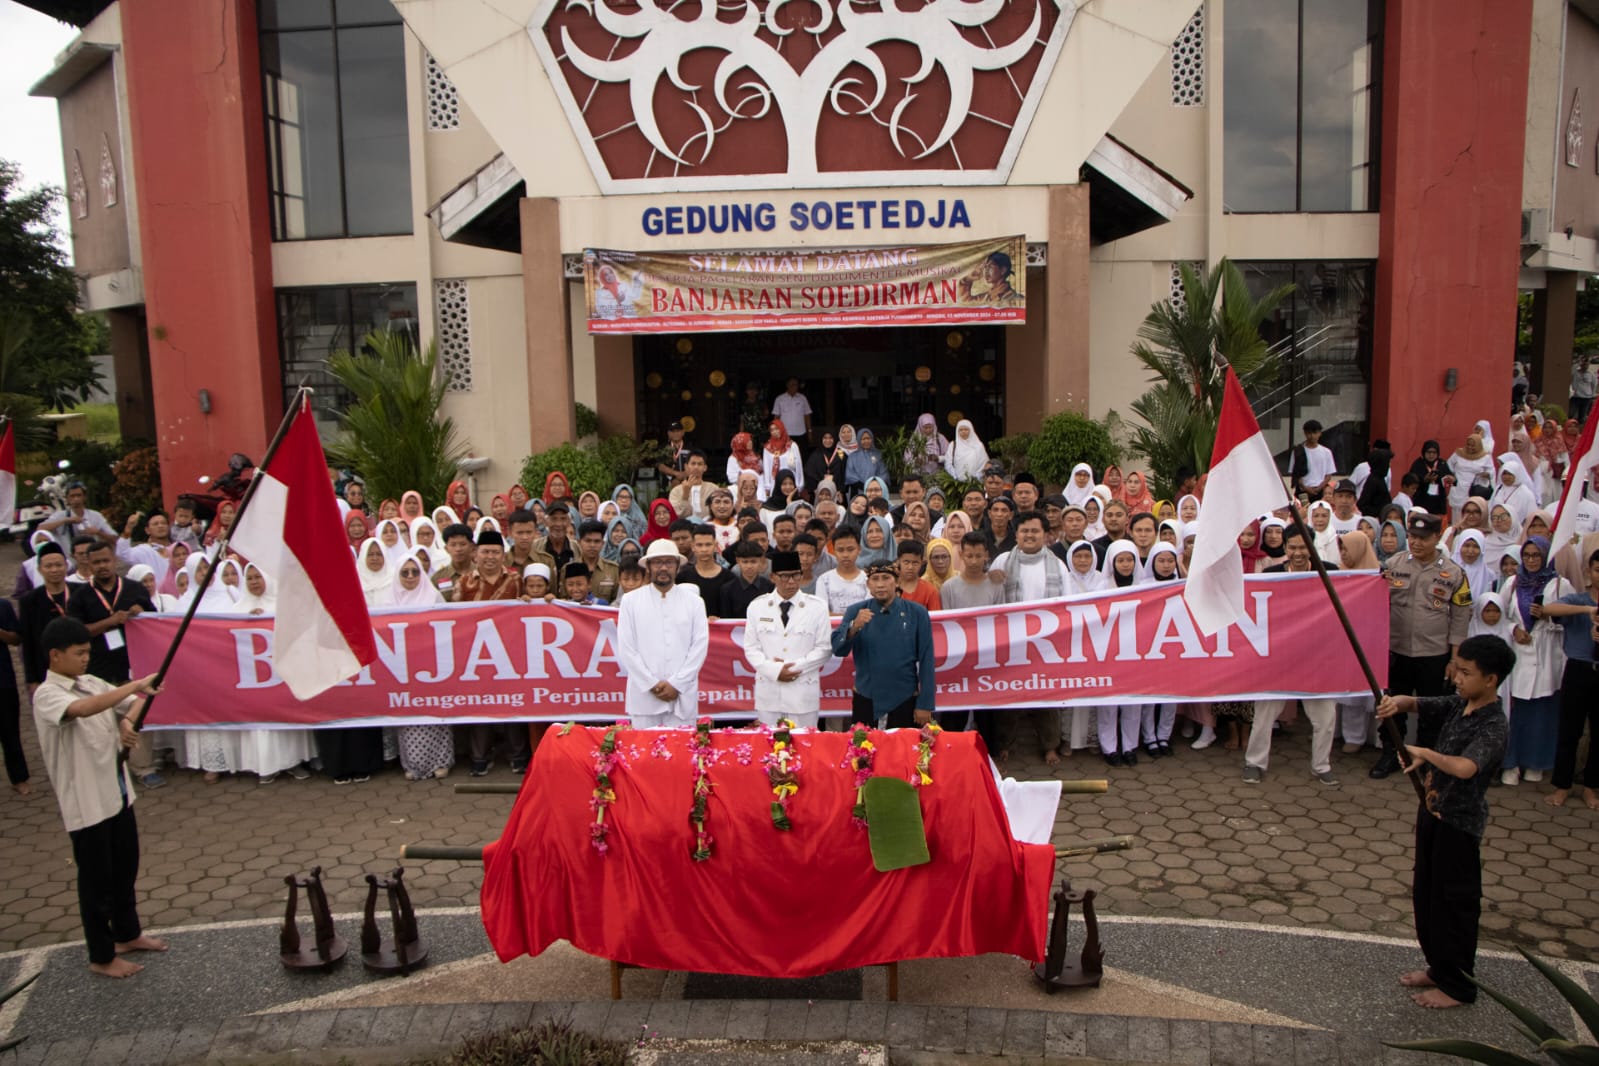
1300	87
1322	334
338	151
315	324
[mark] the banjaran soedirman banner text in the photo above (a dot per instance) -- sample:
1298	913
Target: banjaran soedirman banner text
932	285
486	661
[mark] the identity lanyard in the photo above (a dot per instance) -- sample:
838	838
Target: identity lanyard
116	594
60	608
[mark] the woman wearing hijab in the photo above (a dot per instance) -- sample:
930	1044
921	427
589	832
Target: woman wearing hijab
629	511
966	457
1391	540
918	519
864	462
616	533
942	561
744	457
827	461
425	536
458	497
1234	717
263	752
357	528
388	535
1273	540
1430	470
500	507
928	446
144	574
1471	464
224	522
352	756
877	542
1504	529
411	506
168	585
778	453
1079	485
1516	488
588	506
1318	516
377	575
955	527
1118	723
556	487
784	490
660	526
425	750
1539	643
1355	552
1136	494
1157	720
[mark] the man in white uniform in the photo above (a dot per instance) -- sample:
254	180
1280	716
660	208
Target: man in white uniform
788	638
662	638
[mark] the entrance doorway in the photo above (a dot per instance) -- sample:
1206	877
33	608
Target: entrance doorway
875	377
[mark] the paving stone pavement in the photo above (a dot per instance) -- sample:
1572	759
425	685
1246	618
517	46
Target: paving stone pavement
1285	852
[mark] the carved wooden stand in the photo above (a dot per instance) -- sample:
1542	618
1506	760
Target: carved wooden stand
1056	973
330	947
409	951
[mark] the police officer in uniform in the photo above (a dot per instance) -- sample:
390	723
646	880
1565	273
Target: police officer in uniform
788	639
1429	608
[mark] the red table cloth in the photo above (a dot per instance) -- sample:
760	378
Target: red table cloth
766	903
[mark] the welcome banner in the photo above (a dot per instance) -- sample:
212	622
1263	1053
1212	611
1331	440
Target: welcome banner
945	284
483	662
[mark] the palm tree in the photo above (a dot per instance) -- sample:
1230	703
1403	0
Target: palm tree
1185	348
393	433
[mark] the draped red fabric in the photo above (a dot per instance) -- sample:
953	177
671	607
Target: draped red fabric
767	903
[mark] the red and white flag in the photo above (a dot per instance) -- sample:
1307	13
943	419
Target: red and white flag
322	633
1583	463
8	478
1243	484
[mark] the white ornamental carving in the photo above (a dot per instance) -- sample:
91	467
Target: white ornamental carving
1574	131
77	189
108	173
754	78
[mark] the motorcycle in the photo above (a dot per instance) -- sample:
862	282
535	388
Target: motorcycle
50	496
226	487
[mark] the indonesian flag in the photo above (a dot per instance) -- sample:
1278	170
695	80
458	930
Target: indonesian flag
1243	485
321	633
8	478
1583	462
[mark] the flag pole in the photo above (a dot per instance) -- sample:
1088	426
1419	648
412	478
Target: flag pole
221	553
1390	729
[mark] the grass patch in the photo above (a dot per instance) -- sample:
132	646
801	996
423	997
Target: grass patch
550	1044
105	424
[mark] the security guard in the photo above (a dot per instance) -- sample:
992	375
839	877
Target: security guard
788	640
1429	608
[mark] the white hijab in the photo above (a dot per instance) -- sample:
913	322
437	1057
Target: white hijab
1075	493
966	456
400	549
266	603
437	556
424	595
216	599
233	591
1115	551
374	583
1093	581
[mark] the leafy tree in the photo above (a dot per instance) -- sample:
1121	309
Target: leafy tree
1185	349
393	432
39	290
1066	439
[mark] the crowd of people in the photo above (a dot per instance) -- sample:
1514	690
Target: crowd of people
813	549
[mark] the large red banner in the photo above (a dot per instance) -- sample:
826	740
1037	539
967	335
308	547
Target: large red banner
489	661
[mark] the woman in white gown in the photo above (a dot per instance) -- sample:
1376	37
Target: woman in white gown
264	752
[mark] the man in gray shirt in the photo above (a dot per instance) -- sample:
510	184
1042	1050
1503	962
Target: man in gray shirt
971	587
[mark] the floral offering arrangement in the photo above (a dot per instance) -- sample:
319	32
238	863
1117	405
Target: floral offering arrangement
702	757
859	761
924	754
782	772
606	760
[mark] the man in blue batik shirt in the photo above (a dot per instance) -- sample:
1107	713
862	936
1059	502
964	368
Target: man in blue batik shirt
891	639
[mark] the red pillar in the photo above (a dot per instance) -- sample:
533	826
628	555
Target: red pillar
199	155
1454	115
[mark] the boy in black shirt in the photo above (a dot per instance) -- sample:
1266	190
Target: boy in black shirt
1447	891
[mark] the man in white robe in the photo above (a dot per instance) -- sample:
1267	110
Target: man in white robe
788	638
662	638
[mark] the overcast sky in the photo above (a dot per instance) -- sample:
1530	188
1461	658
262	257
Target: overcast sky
29	133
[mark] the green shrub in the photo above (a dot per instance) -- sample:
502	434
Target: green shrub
585	470
622	456
1065	440
1012	450
136	487
550	1044
588	422
954	489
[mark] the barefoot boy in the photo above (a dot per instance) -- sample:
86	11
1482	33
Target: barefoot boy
82	723
1447	891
